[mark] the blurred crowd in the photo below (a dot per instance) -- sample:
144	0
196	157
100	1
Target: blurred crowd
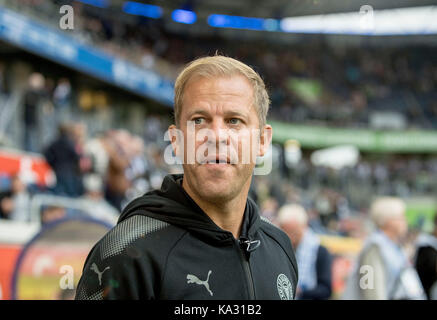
124	165
389	265
403	176
347	87
112	168
383	87
109	166
127	164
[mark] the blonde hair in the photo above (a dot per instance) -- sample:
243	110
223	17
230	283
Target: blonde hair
221	66
292	212
385	208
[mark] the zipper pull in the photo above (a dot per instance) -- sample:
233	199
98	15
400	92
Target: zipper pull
249	245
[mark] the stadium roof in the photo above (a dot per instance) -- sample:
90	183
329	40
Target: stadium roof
278	8
289	19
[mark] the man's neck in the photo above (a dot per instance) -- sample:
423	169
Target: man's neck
393	237
228	215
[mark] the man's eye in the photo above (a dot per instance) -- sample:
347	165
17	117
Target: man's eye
198	121
234	121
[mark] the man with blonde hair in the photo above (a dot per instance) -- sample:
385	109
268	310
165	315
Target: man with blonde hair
382	271
313	259
200	236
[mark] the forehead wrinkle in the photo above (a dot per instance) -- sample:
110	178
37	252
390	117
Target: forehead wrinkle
224	95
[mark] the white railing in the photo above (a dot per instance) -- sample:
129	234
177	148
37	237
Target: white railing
86	206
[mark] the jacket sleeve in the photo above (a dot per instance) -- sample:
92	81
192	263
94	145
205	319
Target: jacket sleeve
376	290
128	275
323	288
426	265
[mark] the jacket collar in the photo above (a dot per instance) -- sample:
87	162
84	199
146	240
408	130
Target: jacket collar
172	204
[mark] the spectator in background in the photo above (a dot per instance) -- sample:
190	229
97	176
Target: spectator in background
98	207
314	260
426	261
117	181
65	162
6	204
62	99
137	173
14	203
96	151
32	97
79	134
153	129
269	208
52	213
382	271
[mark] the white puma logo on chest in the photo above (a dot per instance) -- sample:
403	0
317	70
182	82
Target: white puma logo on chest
193	279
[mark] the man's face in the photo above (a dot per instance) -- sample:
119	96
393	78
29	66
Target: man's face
222	114
399	226
17	185
295	231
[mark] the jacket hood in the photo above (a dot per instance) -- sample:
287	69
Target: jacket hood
173	205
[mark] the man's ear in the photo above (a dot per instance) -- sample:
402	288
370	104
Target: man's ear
265	139
174	139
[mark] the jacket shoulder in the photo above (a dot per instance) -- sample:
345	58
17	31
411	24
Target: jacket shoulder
275	232
281	238
127	232
132	259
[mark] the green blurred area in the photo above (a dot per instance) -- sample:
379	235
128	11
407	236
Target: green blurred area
421	212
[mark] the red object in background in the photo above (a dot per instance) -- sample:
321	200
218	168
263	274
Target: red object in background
9	254
341	268
32	167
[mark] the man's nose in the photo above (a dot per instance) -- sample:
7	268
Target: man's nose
218	132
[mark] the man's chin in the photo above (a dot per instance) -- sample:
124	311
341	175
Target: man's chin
213	191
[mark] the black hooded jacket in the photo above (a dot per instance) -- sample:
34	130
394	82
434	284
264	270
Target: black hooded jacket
165	247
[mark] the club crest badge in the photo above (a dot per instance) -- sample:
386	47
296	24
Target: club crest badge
285	290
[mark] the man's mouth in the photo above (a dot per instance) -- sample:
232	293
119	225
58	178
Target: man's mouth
216	160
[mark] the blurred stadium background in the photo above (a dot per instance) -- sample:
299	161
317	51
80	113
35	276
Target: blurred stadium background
83	113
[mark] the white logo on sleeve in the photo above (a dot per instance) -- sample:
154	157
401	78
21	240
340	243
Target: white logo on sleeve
99	274
193	279
285	289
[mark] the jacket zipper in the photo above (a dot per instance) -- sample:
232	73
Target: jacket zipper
248	273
